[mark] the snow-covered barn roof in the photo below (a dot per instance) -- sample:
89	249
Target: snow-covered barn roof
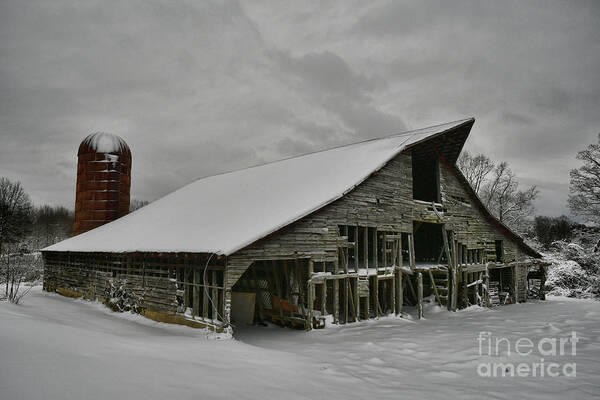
224	213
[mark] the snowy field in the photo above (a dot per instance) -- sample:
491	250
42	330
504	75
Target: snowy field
53	347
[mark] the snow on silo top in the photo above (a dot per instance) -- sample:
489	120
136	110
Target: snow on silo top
102	142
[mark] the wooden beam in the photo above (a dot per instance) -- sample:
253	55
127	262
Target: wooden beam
366	248
411	244
487	288
324	298
196	293
336	295
346	300
309	314
399	293
215	295
356	228
393	295
375	261
357	300
420	295
376	306
400	258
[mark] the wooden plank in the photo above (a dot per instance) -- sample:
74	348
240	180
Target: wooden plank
376	304
400	258
356	301
346	300
399	293
374	250
393	295
309	314
196	293
411	245
324	298
355	250
365	248
336	301
487	288
420	295
214	296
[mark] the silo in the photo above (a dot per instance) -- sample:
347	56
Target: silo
103	181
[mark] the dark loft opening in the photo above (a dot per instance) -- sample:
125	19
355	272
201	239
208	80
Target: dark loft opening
429	243
425	178
499	251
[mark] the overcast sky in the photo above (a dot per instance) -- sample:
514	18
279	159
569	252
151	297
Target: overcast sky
200	87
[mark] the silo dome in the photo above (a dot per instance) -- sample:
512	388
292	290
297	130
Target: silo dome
103	181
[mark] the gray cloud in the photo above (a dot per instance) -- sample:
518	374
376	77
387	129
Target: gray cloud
197	88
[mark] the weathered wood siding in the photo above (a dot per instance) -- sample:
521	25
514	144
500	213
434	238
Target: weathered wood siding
384	201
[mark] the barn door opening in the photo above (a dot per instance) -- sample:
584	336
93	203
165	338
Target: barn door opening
272	291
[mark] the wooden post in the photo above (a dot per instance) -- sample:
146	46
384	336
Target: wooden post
420	295
411	245
487	286
214	296
376	295
311	270
324	298
355	250
196	293
184	276
375	255
356	301
336	295
399	293
455	274
346	300
400	260
465	291
478	294
365	248
311	300
393	294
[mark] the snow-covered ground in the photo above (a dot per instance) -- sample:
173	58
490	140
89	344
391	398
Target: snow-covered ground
53	347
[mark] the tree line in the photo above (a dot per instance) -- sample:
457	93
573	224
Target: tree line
499	190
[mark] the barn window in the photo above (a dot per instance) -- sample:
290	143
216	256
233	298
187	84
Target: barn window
425	177
499	251
429	242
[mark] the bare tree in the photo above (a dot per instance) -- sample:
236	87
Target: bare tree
21	267
501	195
584	199
15	222
498	188
475	168
51	224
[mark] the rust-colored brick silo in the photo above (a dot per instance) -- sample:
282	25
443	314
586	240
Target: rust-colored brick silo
103	181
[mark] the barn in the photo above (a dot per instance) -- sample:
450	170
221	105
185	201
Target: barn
336	236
